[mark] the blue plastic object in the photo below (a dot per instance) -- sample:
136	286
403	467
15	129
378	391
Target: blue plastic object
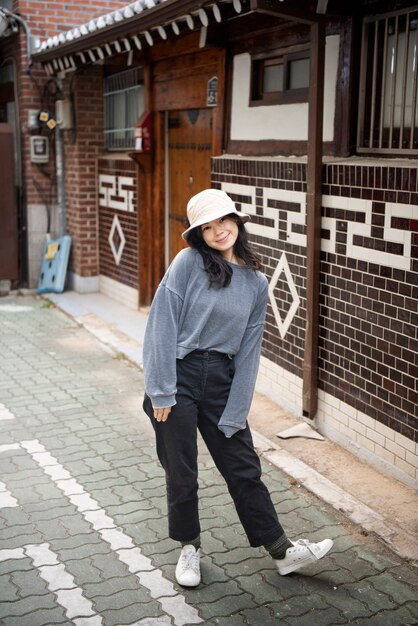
54	265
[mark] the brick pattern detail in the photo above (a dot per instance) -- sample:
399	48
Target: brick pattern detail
120	172
368	343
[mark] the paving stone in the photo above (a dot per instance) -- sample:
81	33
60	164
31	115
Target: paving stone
40	617
351	608
14	565
234	555
261	616
127	508
226	606
326	617
351	560
29	604
230	537
14	517
364	591
8	540
120	599
29	583
110	586
84	571
398	592
132	614
84	550
9	592
399	617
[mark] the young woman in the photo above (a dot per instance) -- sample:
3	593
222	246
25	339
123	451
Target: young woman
201	355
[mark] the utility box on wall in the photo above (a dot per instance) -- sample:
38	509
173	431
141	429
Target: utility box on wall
64	114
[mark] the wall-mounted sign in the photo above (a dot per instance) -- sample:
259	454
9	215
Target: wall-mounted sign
212	97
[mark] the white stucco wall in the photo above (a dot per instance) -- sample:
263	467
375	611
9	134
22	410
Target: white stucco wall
283	121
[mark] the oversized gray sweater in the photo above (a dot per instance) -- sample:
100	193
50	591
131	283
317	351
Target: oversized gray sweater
187	314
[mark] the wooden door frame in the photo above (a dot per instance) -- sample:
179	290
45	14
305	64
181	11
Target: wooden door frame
151	180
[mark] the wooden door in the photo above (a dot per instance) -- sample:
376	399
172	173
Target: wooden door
189	153
9	269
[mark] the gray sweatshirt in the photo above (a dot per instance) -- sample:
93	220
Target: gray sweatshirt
187	314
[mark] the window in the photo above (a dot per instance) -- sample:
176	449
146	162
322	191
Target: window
388	113
280	78
123	104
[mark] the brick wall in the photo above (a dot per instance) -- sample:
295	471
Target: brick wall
118	220
82	149
46	19
368	335
369	292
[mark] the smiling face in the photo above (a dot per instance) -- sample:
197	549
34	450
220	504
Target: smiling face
221	235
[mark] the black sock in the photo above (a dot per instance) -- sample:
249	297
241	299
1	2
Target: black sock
278	548
195	542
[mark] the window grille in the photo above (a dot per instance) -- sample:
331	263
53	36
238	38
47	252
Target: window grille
388	112
123	105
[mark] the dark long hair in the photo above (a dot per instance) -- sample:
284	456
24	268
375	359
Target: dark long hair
218	269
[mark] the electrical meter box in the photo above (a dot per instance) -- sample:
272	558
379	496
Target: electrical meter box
64	114
39	149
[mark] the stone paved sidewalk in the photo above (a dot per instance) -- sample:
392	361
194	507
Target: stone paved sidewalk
82	509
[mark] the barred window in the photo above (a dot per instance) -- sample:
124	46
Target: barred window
123	105
388	113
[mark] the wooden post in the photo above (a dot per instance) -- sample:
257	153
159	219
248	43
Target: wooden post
313	212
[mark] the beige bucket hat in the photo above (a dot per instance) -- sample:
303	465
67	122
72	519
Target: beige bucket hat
208	205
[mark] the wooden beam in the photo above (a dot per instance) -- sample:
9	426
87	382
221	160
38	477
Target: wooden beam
305	14
313	218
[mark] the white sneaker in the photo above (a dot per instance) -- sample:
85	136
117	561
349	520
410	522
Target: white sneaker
302	553
188	567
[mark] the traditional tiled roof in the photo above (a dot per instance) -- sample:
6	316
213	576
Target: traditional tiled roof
139	23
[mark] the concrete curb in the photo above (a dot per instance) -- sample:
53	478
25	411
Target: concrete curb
338	498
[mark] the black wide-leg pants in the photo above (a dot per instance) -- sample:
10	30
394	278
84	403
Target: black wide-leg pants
203	384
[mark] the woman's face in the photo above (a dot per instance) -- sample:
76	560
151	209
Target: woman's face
221	235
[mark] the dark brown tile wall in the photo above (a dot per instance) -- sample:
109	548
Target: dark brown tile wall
368	335
127	270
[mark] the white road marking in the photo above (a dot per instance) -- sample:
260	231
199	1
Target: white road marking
6	498
173	603
5	414
59	581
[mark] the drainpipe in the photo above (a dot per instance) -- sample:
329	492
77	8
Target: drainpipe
59	150
313	211
32	41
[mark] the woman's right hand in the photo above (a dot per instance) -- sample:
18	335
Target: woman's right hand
161	415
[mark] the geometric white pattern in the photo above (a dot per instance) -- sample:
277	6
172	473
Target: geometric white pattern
272	214
115	192
283	325
363	228
117	253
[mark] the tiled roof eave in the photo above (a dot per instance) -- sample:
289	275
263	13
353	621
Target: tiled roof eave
160	15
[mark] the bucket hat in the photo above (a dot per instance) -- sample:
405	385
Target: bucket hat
208	205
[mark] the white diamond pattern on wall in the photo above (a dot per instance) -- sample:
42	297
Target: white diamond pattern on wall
283	324
116	239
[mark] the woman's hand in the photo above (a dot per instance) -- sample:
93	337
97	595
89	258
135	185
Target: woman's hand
161	415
